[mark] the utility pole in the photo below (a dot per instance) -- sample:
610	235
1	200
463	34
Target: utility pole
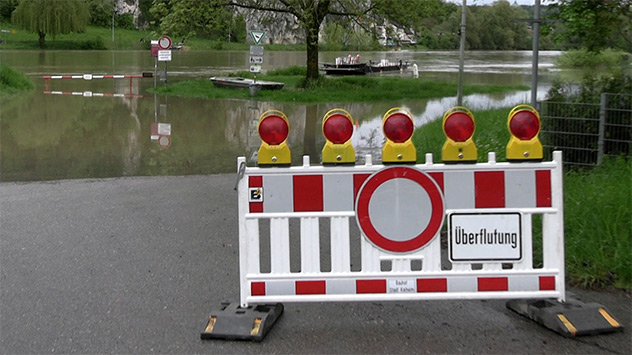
113	10
459	95
536	48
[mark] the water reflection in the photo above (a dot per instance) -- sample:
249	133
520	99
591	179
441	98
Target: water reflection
66	136
87	136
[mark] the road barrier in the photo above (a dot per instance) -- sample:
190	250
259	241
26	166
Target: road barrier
386	201
98	76
298	241
90	94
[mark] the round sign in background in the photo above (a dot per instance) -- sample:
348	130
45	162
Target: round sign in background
164	42
400	209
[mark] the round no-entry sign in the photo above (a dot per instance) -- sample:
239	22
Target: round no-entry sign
164	42
400	209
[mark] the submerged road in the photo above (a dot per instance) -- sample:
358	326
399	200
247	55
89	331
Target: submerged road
135	266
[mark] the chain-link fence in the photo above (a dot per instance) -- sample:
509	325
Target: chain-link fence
587	132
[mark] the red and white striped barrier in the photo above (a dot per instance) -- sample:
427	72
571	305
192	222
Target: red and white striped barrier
298	242
98	76
93	76
89	94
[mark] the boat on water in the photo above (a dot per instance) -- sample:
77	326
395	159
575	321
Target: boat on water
384	66
244	83
345	69
346	66
352	66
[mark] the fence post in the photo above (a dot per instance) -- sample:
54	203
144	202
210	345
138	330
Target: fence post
602	125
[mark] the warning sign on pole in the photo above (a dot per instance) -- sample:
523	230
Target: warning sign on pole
164	55
257	35
164	42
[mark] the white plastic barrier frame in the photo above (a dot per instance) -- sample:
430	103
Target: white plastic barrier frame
312	193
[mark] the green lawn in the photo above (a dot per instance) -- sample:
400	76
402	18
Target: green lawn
332	89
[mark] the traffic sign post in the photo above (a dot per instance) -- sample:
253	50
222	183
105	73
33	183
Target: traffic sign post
161	51
256	58
257	35
164	55
164	42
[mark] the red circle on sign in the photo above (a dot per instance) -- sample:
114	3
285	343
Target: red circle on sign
164	141
419	180
164	42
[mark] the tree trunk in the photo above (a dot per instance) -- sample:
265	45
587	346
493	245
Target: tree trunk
41	42
311	39
312	61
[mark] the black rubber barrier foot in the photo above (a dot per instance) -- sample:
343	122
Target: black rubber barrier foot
571	318
233	322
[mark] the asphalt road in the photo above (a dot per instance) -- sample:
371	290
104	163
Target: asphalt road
135	265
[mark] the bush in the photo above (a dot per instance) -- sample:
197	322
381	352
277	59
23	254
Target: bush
125	21
12	81
289	71
95	43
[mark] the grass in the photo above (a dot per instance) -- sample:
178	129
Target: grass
597	205
331	89
13	81
598	224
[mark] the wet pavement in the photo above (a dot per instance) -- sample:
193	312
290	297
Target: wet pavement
135	265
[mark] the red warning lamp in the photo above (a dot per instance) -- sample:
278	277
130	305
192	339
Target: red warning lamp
273	129
459	127
338	129
398	128
523	123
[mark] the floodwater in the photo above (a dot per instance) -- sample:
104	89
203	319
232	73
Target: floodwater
77	128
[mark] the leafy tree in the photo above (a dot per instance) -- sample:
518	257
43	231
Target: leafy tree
337	37
189	18
51	17
495	27
596	24
6	8
101	12
310	15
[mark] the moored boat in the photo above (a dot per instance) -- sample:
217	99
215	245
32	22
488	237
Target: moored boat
352	66
346	66
244	83
345	69
385	65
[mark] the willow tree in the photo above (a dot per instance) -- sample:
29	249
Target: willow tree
310	15
51	17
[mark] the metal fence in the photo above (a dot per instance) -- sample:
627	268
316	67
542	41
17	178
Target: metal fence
587	132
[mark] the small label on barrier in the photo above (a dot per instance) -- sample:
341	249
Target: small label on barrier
402	286
255	194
